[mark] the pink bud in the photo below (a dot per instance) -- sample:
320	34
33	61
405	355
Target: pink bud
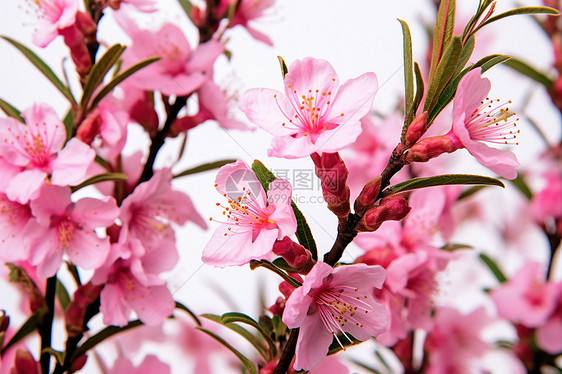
429	148
415	130
75	40
368	195
333	173
24	363
295	254
76	311
87	26
78	363
144	114
278	307
90	127
392	208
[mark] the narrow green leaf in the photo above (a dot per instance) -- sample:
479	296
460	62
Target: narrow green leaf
106	333
68	124
251	338
29	326
188	311
62	295
522	186
100	178
517	11
243	318
467	50
43	68
383	361
441	180
304	235
469	192
526	69
283	65
494	268
442	33
186	6
335	347
408	74
120	78
99	71
419	87
204	167
444	73
11	111
492	62
451	247
472	23
282	264
245	361
58	355
254	264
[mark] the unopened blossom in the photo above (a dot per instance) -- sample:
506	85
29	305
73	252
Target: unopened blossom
334	303
478	120
54	16
315	114
36	148
181	69
252	220
65	227
148	212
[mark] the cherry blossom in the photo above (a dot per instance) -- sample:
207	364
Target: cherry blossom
333	303
315	114
253	222
38	150
14	221
54	15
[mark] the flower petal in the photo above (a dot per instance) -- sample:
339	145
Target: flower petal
269	110
313	343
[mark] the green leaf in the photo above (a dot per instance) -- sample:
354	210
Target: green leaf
106	333
43	68
467	50
99	71
526	69
282	264
444	73
68	122
284	69
517	11
245	361
304	235
419	88
62	295
279	328
11	111
254	264
491	62
29	326
231	317
120	78
469	192
442	33
451	247
186	6
58	355
204	167
335	347
100	178
472	23
522	186
442	180
251	338
408	74
494	268
188	311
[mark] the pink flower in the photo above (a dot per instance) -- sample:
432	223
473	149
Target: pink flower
253	221
214	104
131	282
14	220
37	149
148	212
54	15
548	335
547	203
477	119
66	227
314	115
455	340
334	302
181	69
150	365
526	298
249	10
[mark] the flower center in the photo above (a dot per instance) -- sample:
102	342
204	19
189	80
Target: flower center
493	123
338	306
65	227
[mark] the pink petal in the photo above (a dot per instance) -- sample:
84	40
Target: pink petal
114	310
259	35
500	161
359	275
95	212
313	343
237	179
279	192
548	335
25	186
53	200
334	140
87	250
289	147
229	250
296	308
268	109
354	99
310	74
71	164
285	219
42	119
152	304
205	55
472	89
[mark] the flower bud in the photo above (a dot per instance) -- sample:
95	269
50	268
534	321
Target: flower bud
368	195
295	254
415	130
90	127
392	208
429	148
75	40
78	363
278	307
24	363
76	311
332	172
87	26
